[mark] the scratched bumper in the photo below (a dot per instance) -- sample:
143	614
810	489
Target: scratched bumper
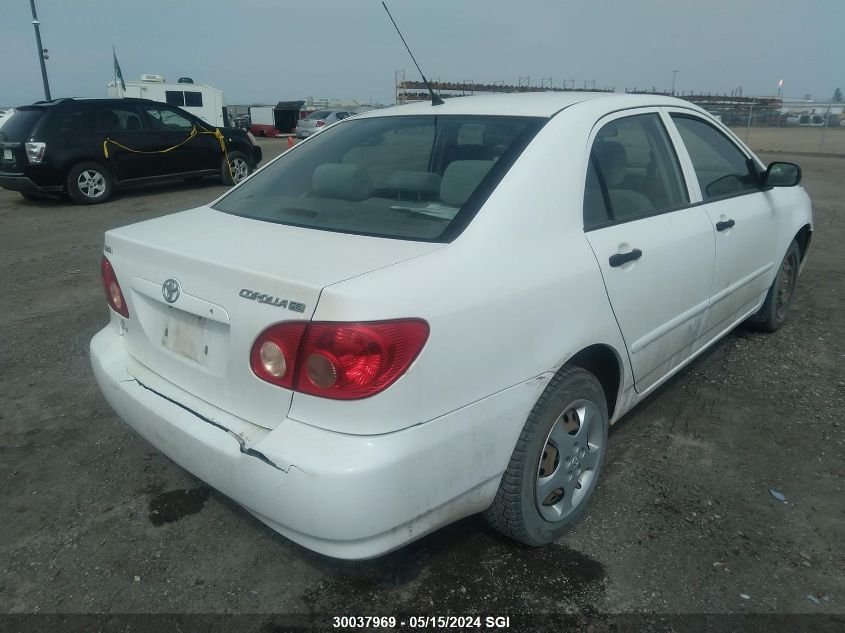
342	495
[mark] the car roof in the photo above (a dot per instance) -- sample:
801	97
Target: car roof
64	101
534	104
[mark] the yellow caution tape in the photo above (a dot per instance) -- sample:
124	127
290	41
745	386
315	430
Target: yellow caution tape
216	133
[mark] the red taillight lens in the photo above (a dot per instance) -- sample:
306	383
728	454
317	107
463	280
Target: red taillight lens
273	355
114	295
344	361
320	123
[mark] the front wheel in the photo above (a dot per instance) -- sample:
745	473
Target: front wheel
772	315
237	170
555	466
89	183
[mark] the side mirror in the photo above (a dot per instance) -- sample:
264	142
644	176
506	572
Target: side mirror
780	174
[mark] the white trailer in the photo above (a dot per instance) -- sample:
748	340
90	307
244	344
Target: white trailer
201	100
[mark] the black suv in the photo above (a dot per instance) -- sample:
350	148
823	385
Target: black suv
81	147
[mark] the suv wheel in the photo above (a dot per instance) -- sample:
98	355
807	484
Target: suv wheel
89	183
237	170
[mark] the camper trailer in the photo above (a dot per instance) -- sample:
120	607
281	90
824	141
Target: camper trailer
200	100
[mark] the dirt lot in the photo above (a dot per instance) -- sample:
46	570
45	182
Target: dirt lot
794	139
95	520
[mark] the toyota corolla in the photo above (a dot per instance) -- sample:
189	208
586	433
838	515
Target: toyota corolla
432	311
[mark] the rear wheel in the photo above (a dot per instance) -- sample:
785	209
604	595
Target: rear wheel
555	466
89	183
772	315
238	168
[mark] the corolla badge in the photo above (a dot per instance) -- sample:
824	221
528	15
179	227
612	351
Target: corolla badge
171	290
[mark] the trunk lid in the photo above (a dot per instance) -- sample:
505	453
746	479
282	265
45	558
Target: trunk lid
229	278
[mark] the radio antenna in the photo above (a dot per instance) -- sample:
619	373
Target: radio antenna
435	100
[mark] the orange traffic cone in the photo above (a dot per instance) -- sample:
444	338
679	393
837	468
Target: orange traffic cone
290	142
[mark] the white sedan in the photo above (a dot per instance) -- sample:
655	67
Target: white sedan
431	311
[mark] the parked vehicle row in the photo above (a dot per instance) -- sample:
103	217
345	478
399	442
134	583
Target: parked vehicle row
430	311
87	148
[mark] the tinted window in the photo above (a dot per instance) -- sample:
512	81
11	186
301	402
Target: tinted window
165	119
633	172
174	97
721	168
388	176
320	114
193	99
114	118
20	125
76	121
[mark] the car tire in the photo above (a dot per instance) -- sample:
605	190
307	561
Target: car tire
775	309
238	169
89	183
555	466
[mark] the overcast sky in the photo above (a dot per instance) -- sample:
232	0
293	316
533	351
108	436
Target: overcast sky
275	50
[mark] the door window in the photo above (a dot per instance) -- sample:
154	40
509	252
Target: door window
633	172
721	168
165	119
116	118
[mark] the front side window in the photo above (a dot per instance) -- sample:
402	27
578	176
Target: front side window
633	172
393	176
721	168
166	119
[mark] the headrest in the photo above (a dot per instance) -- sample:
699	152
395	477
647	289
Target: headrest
419	182
461	178
336	180
613	161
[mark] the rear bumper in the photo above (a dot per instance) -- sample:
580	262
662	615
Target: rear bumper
18	182
345	496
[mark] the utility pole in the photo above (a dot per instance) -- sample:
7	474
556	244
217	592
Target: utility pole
42	53
674	76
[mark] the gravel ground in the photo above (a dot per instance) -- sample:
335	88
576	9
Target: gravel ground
96	520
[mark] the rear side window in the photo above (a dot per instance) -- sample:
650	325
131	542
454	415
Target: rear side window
76	121
633	172
721	168
20	125
406	177
115	118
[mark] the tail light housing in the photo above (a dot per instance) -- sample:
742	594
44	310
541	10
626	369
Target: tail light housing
341	361
35	151
114	295
320	123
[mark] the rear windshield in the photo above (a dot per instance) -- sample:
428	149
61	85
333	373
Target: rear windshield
321	114
19	127
416	177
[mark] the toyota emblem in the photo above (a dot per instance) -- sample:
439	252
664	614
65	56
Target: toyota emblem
171	290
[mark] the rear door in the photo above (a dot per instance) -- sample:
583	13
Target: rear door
744	220
655	251
168	128
118	125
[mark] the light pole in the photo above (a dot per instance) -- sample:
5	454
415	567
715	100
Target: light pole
41	51
674	75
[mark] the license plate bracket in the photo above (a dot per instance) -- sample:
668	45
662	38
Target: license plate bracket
186	335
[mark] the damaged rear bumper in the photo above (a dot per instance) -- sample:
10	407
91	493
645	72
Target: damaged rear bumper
347	496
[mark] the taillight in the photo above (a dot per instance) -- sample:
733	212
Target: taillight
114	295
320	123
273	355
35	151
343	361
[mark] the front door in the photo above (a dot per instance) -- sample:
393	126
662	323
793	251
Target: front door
744	221
655	251
169	128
